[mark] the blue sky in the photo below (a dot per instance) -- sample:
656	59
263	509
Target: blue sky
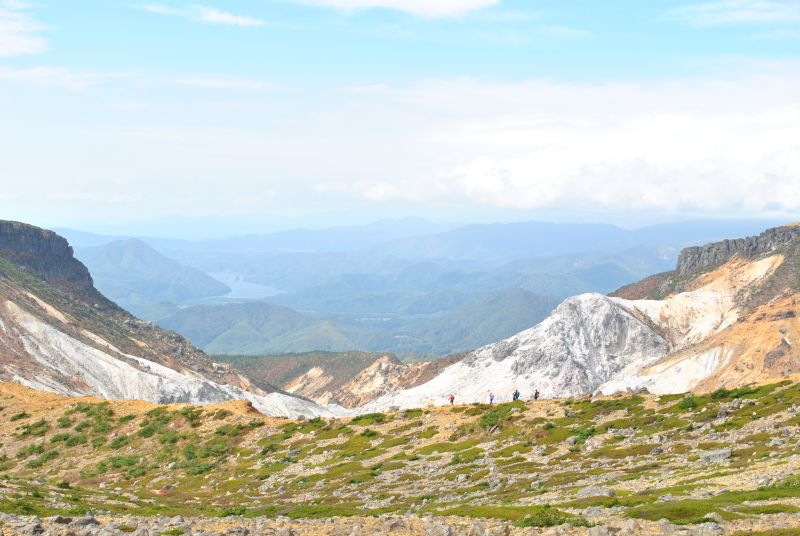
312	112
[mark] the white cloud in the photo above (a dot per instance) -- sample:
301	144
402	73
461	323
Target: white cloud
205	14
422	8
778	34
56	77
564	31
713	145
223	82
19	33
722	12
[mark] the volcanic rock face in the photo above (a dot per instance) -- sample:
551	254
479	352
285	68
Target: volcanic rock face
696	259
587	341
48	256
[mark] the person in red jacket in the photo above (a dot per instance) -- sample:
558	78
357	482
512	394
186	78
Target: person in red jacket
452	398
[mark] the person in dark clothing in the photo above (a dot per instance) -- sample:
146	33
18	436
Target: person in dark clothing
536	395
515	396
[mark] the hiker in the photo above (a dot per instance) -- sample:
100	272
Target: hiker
515	396
452	398
536	395
491	398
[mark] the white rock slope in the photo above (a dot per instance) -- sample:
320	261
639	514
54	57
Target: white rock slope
587	341
55	361
593	343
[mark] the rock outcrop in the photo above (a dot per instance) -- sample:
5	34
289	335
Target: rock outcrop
695	260
46	255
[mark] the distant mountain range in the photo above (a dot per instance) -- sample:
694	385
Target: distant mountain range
262	328
401	286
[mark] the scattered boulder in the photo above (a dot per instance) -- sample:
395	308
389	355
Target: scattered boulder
716	457
707	529
596	491
85	521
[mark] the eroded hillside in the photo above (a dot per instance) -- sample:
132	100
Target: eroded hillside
58	333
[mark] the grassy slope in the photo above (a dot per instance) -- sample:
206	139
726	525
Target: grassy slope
510	461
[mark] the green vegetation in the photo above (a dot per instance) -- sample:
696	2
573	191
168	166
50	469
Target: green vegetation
491	460
368	419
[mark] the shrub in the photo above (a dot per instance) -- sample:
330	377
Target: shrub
169	438
490	419
37	429
120	462
59	438
229	430
119	442
550	517
19	416
75	440
64	422
222	414
30	450
233	511
582	434
191	414
369	418
43	459
83	426
135	472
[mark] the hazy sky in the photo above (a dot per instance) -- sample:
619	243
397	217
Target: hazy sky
284	112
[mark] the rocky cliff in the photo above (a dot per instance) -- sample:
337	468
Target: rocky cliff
694	260
48	256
